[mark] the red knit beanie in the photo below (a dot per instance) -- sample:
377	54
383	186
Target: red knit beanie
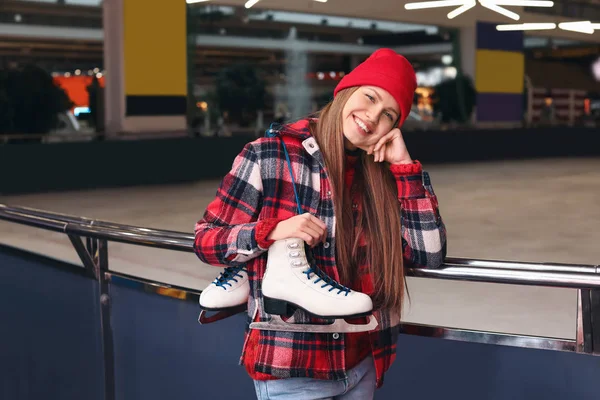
388	70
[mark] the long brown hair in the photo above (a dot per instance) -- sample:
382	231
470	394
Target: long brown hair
381	216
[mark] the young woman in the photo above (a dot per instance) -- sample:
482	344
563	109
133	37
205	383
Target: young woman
368	210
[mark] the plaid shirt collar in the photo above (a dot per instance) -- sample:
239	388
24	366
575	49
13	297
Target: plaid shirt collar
299	130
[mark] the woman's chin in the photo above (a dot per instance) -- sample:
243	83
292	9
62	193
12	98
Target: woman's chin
354	141
348	144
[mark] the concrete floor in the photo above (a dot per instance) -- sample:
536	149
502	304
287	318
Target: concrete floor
536	210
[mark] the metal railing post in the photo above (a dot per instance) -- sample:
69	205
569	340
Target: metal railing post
105	321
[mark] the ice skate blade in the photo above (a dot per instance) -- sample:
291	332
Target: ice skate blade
338	326
221	314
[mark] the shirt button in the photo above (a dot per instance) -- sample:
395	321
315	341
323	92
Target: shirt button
329	193
326	245
355	206
336	336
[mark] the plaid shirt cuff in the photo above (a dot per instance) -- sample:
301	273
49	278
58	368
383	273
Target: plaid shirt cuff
409	178
406	169
263	229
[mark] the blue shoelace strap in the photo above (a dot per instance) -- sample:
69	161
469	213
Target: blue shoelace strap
229	274
327	280
271	133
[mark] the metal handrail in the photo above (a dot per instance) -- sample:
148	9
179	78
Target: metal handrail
69	224
542	267
105	224
491	271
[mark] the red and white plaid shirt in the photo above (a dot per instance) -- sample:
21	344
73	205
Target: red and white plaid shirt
258	193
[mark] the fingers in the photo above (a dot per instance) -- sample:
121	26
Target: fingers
314	230
306	238
379	155
317	221
305	226
386	138
315	224
375	153
379	149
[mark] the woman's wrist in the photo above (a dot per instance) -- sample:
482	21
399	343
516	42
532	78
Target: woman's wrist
404	161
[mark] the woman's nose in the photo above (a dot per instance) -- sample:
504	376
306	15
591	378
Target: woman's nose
370	114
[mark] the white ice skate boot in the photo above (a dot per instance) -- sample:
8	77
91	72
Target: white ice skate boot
291	281
228	295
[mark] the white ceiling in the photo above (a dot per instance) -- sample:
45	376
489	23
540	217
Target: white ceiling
393	10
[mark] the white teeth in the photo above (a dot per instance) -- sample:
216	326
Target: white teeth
362	126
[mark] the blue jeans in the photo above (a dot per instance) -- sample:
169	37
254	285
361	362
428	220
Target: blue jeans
359	385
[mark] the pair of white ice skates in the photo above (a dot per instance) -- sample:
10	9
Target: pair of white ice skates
291	281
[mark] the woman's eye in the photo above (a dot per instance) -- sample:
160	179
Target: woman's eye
370	98
390	116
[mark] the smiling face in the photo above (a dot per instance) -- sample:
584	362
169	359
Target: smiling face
369	113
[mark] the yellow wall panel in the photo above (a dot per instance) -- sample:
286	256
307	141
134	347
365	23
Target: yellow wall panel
499	71
155	48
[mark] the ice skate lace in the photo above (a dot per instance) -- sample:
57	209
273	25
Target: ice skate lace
230	274
322	277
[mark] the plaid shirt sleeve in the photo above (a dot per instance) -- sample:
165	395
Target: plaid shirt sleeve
423	231
230	233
